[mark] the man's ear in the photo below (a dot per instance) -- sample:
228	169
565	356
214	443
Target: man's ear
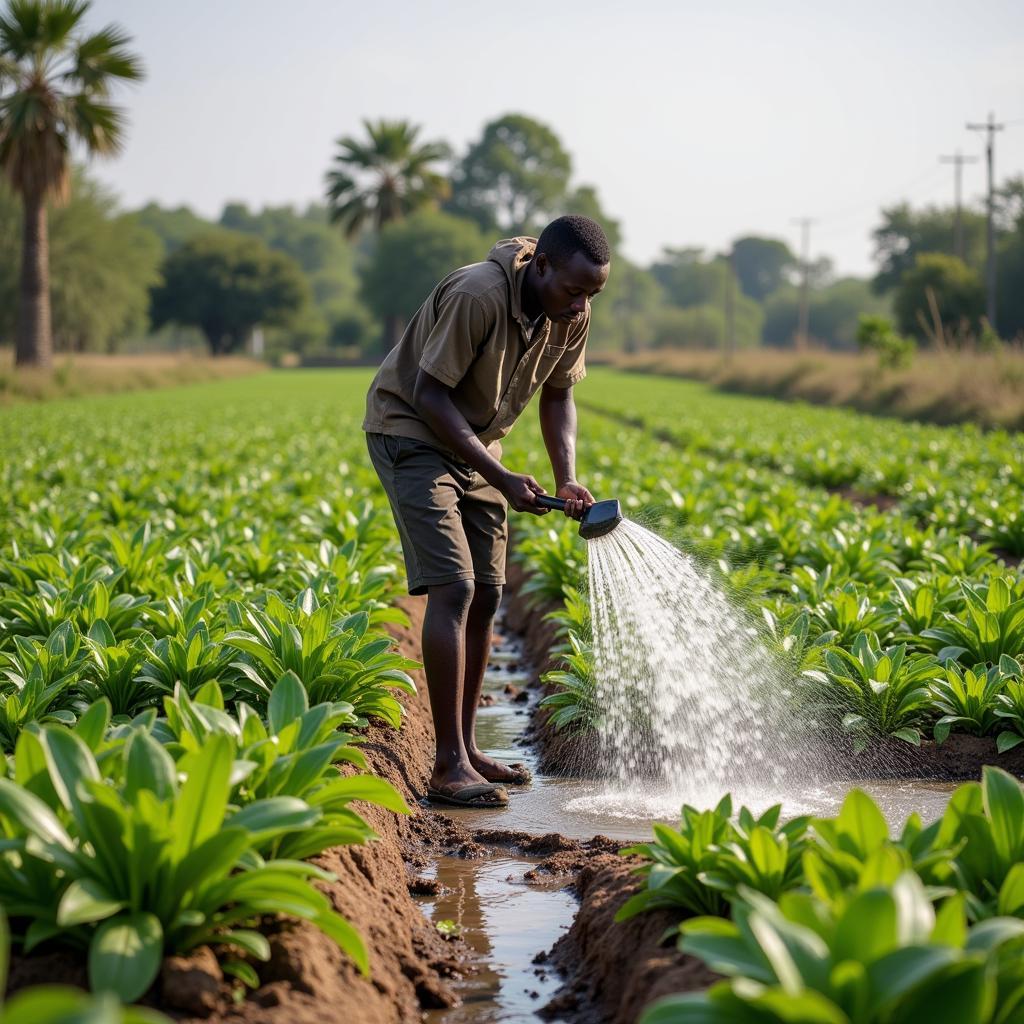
541	263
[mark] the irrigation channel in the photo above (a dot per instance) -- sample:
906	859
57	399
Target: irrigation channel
509	920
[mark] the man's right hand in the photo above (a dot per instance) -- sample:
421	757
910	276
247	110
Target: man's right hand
519	489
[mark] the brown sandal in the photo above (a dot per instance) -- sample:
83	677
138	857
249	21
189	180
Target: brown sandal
474	795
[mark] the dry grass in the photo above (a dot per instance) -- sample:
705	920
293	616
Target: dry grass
946	387
88	374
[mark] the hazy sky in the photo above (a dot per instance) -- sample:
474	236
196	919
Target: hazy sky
696	122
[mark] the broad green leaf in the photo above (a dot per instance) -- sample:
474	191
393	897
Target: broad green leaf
125	955
84	901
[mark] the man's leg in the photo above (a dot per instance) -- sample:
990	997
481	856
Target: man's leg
479	623
444	661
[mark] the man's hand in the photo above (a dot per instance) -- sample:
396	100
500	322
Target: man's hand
519	489
577	499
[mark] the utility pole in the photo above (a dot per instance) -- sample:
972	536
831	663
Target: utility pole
958	160
804	313
990	128
729	340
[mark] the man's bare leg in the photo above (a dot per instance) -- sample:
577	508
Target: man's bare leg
444	661
479	622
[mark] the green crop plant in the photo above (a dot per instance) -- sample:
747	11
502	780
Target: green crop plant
152	865
39	681
291	755
879	692
992	624
574	704
968	699
886	956
554	561
699	866
1010	711
191	660
336	659
848	613
61	1004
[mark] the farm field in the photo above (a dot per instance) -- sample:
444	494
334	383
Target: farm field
195	591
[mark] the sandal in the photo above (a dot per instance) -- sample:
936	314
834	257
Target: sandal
477	794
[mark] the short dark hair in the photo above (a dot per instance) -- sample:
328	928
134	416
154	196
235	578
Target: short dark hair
574	233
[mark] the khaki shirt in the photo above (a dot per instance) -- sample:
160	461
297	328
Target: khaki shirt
472	334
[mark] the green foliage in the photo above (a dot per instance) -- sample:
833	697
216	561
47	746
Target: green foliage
762	265
939	299
905	234
887	956
699	866
574	705
513	179
150	864
834	310
226	284
384	178
102	264
412	255
876	334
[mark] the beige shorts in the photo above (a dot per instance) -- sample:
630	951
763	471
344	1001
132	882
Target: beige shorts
453	524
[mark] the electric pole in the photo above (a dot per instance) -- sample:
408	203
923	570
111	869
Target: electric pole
990	128
804	313
958	160
729	340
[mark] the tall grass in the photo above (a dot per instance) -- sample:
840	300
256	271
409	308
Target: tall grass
938	387
88	373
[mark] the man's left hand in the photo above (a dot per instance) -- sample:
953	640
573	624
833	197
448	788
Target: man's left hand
577	499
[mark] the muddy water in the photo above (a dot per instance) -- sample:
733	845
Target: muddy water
506	923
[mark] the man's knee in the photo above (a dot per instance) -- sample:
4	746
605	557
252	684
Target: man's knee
486	598
454	598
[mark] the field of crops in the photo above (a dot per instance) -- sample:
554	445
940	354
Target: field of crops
193	586
881	558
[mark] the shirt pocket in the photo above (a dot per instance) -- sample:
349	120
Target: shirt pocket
553	351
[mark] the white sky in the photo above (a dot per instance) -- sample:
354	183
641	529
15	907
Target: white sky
697	122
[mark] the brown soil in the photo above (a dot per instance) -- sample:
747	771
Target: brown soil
614	970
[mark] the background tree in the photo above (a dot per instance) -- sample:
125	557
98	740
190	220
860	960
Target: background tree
762	265
380	180
174	227
514	179
103	264
55	82
225	284
905	233
413	255
383	179
956	290
833	313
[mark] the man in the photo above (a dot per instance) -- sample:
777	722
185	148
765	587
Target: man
486	339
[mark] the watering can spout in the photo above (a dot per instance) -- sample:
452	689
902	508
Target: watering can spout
602	517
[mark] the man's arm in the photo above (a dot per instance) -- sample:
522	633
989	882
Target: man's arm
433	401
558	426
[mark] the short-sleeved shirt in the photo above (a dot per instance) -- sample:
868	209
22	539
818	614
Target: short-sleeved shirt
472	335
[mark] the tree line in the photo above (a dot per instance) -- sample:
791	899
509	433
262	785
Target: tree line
343	275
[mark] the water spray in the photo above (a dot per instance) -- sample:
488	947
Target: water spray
602	517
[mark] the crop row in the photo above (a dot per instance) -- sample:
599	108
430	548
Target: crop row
832	920
897	621
192	590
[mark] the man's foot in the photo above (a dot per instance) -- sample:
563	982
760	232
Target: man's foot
476	794
497	771
462	785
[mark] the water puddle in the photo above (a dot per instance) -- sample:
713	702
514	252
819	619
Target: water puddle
506	922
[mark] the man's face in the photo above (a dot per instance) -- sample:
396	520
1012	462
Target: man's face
566	291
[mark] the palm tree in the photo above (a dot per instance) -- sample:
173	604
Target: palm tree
55	82
383	179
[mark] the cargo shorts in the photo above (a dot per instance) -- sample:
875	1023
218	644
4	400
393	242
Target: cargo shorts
453	524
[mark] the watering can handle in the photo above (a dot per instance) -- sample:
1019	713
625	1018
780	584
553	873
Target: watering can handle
546	501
